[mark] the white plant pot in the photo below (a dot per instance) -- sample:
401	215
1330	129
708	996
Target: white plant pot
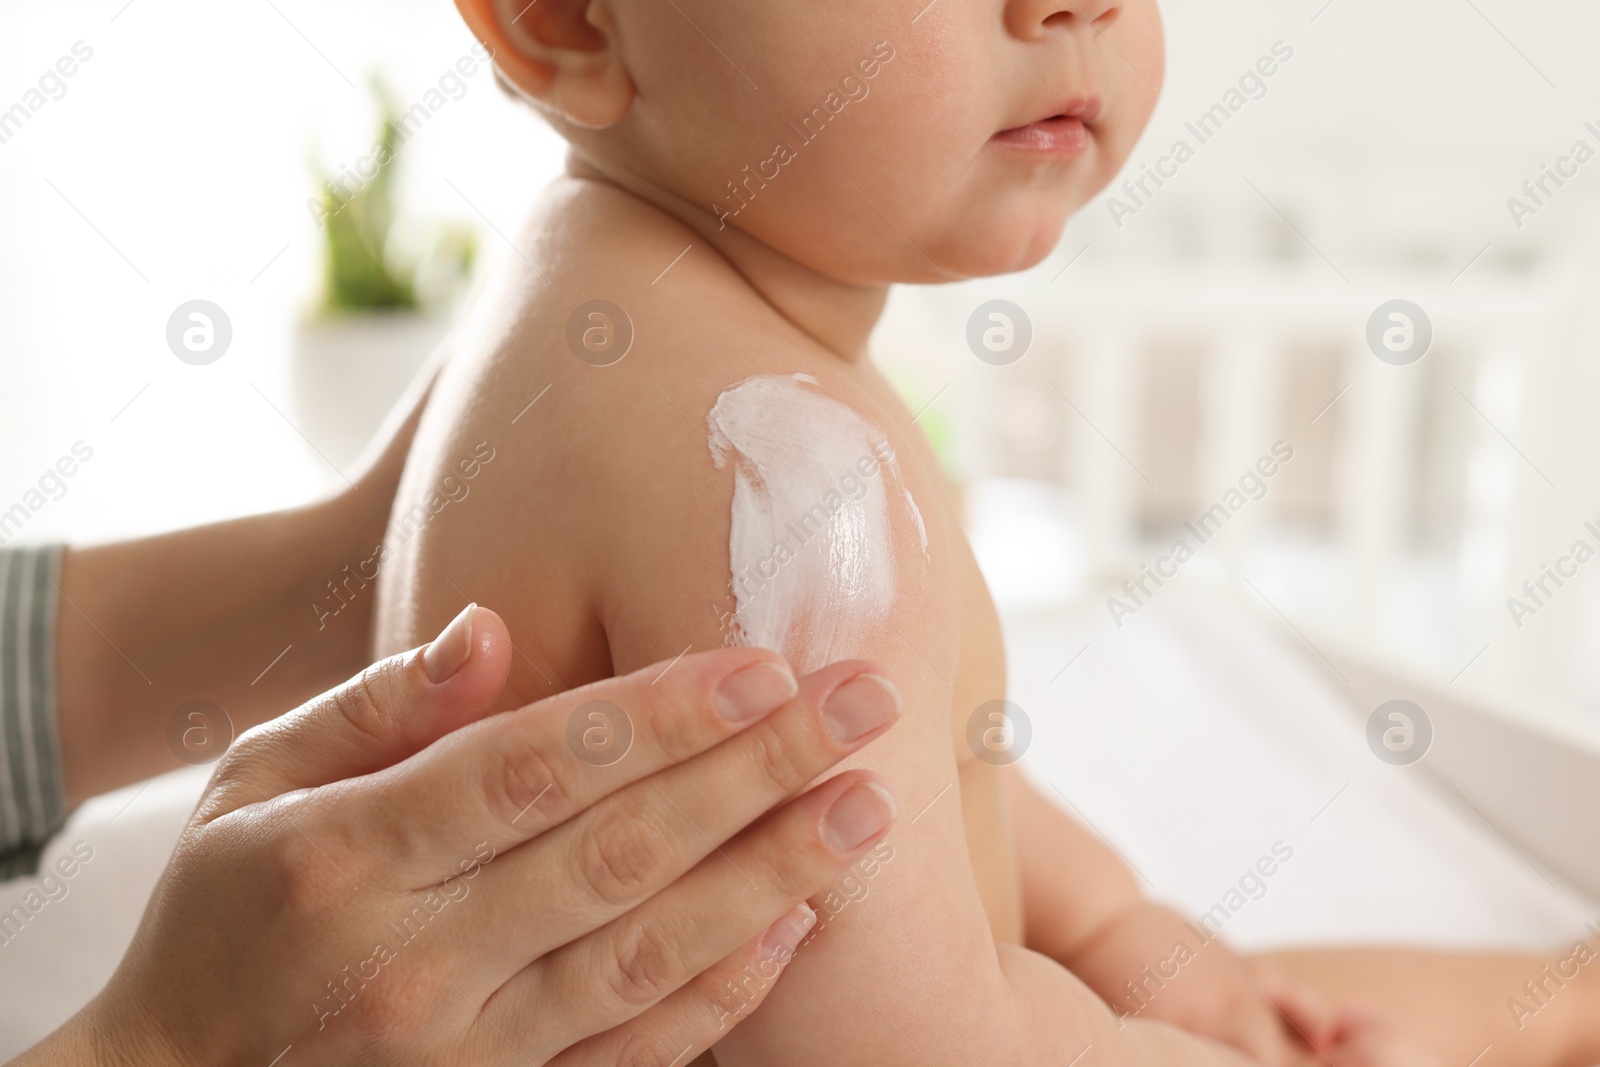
349	370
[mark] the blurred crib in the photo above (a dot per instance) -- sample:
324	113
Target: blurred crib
1419	497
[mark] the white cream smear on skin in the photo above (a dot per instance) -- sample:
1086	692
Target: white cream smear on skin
816	495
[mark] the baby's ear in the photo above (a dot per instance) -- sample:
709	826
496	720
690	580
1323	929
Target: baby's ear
561	53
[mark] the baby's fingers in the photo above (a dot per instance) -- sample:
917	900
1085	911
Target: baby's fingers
1363	1039
1255	1030
705	1010
1311	1019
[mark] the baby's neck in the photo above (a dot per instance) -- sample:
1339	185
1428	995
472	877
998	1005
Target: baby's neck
838	315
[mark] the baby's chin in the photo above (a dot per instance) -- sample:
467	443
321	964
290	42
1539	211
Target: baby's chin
1002	244
982	237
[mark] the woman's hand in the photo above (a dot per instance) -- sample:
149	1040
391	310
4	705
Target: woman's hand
383	876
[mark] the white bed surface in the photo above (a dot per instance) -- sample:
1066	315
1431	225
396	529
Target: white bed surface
1195	737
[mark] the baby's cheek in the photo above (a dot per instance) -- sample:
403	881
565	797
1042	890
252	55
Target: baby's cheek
1134	60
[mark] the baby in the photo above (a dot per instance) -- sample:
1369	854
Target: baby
691	449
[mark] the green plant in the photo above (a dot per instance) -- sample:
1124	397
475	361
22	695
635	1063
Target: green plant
365	268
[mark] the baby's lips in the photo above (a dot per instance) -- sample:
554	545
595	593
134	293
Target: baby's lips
1088	108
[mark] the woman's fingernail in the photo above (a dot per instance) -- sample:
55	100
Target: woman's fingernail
756	690
451	649
785	935
860	706
858	815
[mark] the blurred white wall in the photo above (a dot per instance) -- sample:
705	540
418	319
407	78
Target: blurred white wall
175	167
1376	163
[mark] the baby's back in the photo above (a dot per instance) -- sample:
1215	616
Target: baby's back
583	500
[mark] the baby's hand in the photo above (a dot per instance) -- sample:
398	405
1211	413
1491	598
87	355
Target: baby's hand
1257	1008
1311	1023
1362	1039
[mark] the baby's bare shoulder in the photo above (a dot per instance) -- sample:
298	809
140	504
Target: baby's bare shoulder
587	368
601	370
609	301
626	326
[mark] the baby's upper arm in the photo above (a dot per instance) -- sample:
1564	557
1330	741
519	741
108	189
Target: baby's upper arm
796	519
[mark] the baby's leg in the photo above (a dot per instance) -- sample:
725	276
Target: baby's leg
1459	1003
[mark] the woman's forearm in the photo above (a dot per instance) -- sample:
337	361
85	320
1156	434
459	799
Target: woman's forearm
238	613
253	615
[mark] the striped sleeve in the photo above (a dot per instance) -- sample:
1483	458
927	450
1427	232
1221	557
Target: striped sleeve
32	800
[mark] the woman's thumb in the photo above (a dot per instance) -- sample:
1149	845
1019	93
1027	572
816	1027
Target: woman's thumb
392	709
